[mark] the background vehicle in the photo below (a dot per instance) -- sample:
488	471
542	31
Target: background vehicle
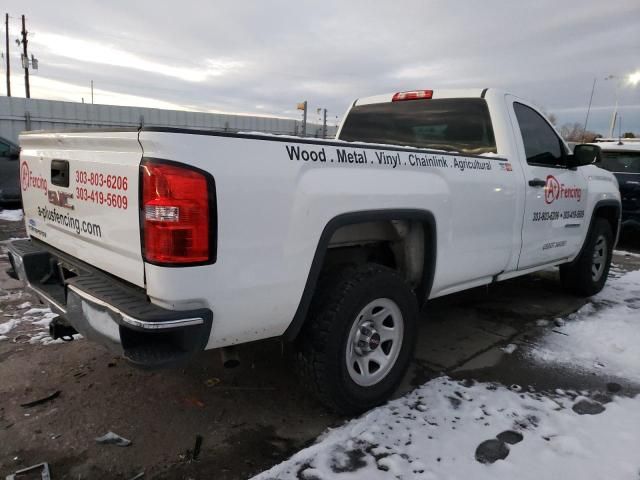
161	242
622	158
9	173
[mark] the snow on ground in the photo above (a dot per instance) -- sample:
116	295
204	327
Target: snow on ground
627	254
11	215
448	430
602	336
451	430
32	325
6	327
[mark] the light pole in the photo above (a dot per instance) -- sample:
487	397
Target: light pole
633	80
614	115
324	121
586	120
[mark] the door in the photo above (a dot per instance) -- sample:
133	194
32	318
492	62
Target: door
80	195
553	223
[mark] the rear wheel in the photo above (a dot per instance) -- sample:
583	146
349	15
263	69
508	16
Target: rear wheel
587	275
358	340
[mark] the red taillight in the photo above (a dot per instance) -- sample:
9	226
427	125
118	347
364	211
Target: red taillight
176	214
413	95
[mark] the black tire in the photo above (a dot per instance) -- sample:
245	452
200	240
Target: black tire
321	349
579	277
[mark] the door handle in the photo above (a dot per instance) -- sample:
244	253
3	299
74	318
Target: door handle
537	182
60	173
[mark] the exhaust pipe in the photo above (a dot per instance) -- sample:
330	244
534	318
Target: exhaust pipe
230	357
59	328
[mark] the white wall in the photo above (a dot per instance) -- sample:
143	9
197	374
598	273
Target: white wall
18	114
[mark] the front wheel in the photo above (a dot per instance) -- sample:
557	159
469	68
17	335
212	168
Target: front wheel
358	340
587	274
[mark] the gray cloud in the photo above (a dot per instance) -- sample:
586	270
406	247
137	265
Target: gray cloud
263	57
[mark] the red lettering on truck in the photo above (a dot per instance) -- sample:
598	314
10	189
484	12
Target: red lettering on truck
29	180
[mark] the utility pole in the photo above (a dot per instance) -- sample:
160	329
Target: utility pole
304	120
6	29
25	60
91	92
324	123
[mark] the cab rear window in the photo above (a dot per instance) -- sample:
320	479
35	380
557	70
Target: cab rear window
457	124
621	162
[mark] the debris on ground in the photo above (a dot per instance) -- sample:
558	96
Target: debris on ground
42	400
193	455
111	438
212	382
31	472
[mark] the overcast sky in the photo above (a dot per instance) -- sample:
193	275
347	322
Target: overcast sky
264	56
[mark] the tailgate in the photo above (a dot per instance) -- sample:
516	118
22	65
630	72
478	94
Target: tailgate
80	195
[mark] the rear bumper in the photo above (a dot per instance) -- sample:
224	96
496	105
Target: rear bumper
110	311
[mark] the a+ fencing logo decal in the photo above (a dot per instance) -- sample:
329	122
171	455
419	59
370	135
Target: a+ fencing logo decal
29	180
24	175
552	189
555	190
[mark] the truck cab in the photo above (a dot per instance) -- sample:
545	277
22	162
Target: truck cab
538	214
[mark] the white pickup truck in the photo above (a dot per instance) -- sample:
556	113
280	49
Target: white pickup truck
163	242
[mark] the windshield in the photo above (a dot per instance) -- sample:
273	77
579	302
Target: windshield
621	162
458	124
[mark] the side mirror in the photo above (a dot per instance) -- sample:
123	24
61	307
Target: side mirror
14	153
584	154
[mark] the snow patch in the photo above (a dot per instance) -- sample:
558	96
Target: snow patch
6	327
403	441
603	335
626	254
34	325
11	215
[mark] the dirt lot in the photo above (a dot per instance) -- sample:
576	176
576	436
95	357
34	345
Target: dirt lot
250	417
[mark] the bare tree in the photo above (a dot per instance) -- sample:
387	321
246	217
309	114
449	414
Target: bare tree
573	132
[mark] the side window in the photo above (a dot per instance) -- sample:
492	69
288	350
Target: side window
4	149
541	144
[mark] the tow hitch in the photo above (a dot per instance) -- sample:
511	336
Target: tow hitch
60	328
